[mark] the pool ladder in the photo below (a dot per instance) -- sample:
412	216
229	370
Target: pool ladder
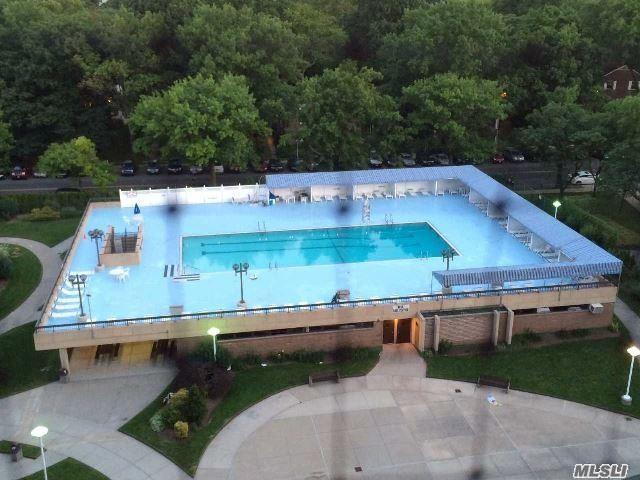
388	219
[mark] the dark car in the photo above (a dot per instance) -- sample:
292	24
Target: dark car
261	166
513	155
497	158
296	164
153	167
175	166
276	165
62	174
439	158
128	169
19	173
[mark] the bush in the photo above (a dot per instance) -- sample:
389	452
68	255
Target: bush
6	263
69	212
194	408
8	208
156	422
526	337
170	414
562	334
444	346
181	430
580	333
615	325
42	214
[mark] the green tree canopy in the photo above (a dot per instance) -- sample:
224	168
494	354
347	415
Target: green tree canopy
343	116
455	113
458	36
78	158
6	143
259	46
201	119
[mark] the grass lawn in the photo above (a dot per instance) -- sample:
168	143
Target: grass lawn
593	372
28	451
619	215
50	232
26	276
21	367
68	469
249	387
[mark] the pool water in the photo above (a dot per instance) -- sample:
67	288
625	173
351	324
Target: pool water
321	246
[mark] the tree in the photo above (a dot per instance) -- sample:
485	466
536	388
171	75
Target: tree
563	133
458	36
78	158
343	116
201	119
6	143
261	47
455	113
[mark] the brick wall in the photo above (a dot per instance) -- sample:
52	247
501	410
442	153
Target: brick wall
316	341
554	321
465	328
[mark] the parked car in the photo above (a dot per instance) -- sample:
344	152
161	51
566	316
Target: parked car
128	169
497	158
513	155
19	173
583	178
276	165
62	174
375	160
39	174
296	164
407	160
424	159
153	167
261	166
440	159
175	166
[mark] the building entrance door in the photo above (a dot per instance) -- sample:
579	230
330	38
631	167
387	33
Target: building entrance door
396	331
388	331
403	334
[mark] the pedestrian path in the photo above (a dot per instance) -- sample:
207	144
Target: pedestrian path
629	318
51	262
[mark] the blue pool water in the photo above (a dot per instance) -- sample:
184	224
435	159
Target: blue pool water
301	248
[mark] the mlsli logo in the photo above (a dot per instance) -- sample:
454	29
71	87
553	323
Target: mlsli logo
604	470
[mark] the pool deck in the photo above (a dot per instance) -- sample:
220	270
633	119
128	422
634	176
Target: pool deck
479	240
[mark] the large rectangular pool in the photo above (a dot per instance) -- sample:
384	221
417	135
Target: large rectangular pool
322	246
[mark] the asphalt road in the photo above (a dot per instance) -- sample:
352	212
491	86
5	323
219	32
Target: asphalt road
524	176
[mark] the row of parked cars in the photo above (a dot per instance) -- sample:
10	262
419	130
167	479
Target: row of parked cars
439	157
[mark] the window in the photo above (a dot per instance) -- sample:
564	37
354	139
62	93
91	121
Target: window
609	85
633	85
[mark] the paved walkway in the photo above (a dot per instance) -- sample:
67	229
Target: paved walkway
403	427
83	418
629	318
50	259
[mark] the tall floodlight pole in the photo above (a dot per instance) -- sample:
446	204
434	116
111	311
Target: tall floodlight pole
96	235
39	432
241	268
634	352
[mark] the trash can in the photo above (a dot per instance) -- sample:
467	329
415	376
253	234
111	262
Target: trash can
16	452
63	374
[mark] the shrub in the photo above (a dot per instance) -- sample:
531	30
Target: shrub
444	346
580	333
156	422
194	408
615	325
181	430
6	263
170	415
306	356
250	359
8	208
69	212
526	337
42	214
562	334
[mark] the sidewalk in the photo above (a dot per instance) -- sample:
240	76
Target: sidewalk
629	318
51	262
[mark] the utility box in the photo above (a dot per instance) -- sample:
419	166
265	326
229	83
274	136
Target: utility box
596	308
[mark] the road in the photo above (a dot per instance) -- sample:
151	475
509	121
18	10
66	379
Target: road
525	176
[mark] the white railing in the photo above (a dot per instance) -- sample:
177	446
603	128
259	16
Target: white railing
193	195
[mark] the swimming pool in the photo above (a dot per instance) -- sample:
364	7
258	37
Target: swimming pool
321	246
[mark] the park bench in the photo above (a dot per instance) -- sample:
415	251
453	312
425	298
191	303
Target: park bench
488	381
324	377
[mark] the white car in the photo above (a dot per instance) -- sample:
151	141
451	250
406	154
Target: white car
407	160
37	174
583	178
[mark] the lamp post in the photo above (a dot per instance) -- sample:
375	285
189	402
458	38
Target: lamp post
89	303
39	432
634	352
447	255
96	235
557	205
76	281
214	332
241	268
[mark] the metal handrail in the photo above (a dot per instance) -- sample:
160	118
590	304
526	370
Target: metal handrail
317	306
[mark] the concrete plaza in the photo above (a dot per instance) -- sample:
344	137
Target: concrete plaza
389	426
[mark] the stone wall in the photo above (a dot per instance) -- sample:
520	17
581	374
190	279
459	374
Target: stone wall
554	321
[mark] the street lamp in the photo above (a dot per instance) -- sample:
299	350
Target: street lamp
96	235
76	281
39	432
634	352
556	204
240	269
214	332
447	255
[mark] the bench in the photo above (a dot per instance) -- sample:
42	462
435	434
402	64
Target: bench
488	381
324	377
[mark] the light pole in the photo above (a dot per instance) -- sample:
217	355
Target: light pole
241	268
39	432
96	235
89	303
634	352
76	281
447	255
556	204
214	332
